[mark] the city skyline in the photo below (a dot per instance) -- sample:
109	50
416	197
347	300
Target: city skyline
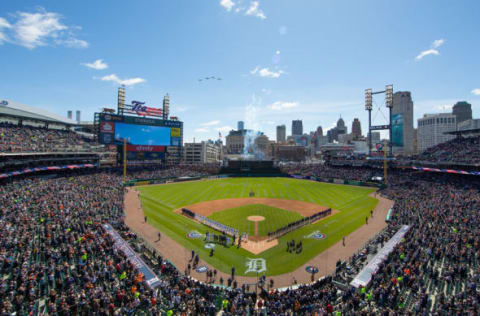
224	61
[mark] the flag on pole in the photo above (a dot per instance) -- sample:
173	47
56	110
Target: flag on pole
219	135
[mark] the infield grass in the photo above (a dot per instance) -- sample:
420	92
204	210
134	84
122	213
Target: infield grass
237	218
353	204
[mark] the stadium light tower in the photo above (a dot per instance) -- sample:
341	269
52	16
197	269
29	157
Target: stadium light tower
121	100
369	106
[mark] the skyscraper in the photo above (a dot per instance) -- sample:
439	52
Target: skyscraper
78	116
240	126
319	131
297	127
402	122
356	129
281	133
463	111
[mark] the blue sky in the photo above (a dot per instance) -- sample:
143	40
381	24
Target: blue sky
278	59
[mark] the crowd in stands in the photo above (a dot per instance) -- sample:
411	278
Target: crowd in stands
458	150
182	170
14	139
56	258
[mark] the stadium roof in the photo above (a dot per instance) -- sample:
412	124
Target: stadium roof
16	109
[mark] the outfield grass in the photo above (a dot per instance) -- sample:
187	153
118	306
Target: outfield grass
274	218
354	204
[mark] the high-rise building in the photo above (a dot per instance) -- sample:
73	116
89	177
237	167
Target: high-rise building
402	122
240	126
356	129
432	128
78	116
297	127
319	131
166	106
281	134
463	111
70	114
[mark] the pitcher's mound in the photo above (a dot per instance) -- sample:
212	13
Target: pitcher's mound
256	218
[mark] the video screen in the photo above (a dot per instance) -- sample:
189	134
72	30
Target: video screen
142	134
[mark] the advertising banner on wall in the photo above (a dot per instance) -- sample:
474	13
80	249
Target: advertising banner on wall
397	130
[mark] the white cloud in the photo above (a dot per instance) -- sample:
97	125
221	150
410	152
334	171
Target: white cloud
3	25
444	107
224	129
97	65
74	43
426	53
476	91
227	4
39	28
201	130
265	72
278	106
253	10
127	82
211	123
438	43
432	51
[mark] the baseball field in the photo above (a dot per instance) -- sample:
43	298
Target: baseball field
276	202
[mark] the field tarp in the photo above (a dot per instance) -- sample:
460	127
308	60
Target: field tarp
119	243
365	276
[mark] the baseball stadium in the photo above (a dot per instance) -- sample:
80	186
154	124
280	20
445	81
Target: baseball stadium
81	220
177	158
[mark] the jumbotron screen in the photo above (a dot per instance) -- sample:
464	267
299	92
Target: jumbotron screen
142	134
114	129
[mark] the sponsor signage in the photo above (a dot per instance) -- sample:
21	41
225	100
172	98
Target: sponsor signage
141	109
194	235
379	127
138	120
146	148
311	269
119	243
201	269
107	127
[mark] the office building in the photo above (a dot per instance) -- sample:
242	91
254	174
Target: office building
463	111
297	127
240	126
468	124
402	122
432	128
78	116
204	152
356	129
281	134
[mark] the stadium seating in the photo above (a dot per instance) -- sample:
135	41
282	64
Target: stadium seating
56	259
458	150
14	139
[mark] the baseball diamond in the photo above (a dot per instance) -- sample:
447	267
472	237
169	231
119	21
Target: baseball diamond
279	201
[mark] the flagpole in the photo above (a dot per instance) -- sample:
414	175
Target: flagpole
124	159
